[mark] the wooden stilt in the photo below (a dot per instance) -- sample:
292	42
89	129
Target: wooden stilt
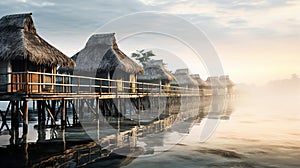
63	114
53	109
14	139
43	114
119	114
25	117
74	113
98	117
139	111
33	105
39	111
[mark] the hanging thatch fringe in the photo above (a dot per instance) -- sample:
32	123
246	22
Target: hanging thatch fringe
226	81
184	79
201	82
20	41
155	70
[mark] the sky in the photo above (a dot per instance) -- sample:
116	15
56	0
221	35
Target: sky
256	40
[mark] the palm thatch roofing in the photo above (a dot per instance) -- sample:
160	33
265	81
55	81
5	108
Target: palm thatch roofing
215	82
20	41
199	80
155	70
101	53
183	78
226	81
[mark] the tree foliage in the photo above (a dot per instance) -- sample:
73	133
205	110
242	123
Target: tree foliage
143	56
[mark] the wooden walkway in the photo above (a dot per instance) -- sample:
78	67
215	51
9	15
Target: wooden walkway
52	92
56	86
55	96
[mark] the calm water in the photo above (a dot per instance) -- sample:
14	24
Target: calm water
261	132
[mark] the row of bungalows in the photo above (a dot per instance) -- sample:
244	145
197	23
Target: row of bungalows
30	64
192	82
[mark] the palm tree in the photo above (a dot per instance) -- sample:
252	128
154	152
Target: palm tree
142	56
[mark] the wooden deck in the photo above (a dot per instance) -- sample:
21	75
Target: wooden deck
41	86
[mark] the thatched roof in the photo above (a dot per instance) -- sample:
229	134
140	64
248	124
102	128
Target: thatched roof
215	82
101	53
183	78
20	41
155	70
199	80
226	81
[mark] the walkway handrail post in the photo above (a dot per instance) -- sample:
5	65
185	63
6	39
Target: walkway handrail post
100	90
11	83
26	82
90	85
78	84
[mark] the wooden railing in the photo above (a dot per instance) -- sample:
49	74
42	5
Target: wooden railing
37	82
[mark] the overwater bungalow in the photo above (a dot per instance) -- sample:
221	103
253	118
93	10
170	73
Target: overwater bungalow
202	85
102	58
24	55
228	83
218	88
155	72
183	79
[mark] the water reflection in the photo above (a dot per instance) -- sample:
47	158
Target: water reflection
43	146
262	132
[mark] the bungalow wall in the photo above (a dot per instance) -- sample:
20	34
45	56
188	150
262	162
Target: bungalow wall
119	86
133	80
19	79
5	68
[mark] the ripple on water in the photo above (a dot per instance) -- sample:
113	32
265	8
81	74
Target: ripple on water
222	153
239	165
241	139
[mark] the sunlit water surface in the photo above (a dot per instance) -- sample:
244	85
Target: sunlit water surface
260	133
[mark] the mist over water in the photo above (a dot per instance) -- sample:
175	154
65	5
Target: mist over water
263	131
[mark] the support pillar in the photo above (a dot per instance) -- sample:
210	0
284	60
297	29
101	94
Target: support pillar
25	117
25	130
74	112
43	113
52	110
139	111
14	139
63	114
98	117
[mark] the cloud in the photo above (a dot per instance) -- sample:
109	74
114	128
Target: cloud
67	24
231	23
220	19
40	3
237	21
251	5
24	1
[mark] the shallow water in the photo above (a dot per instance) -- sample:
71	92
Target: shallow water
260	133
